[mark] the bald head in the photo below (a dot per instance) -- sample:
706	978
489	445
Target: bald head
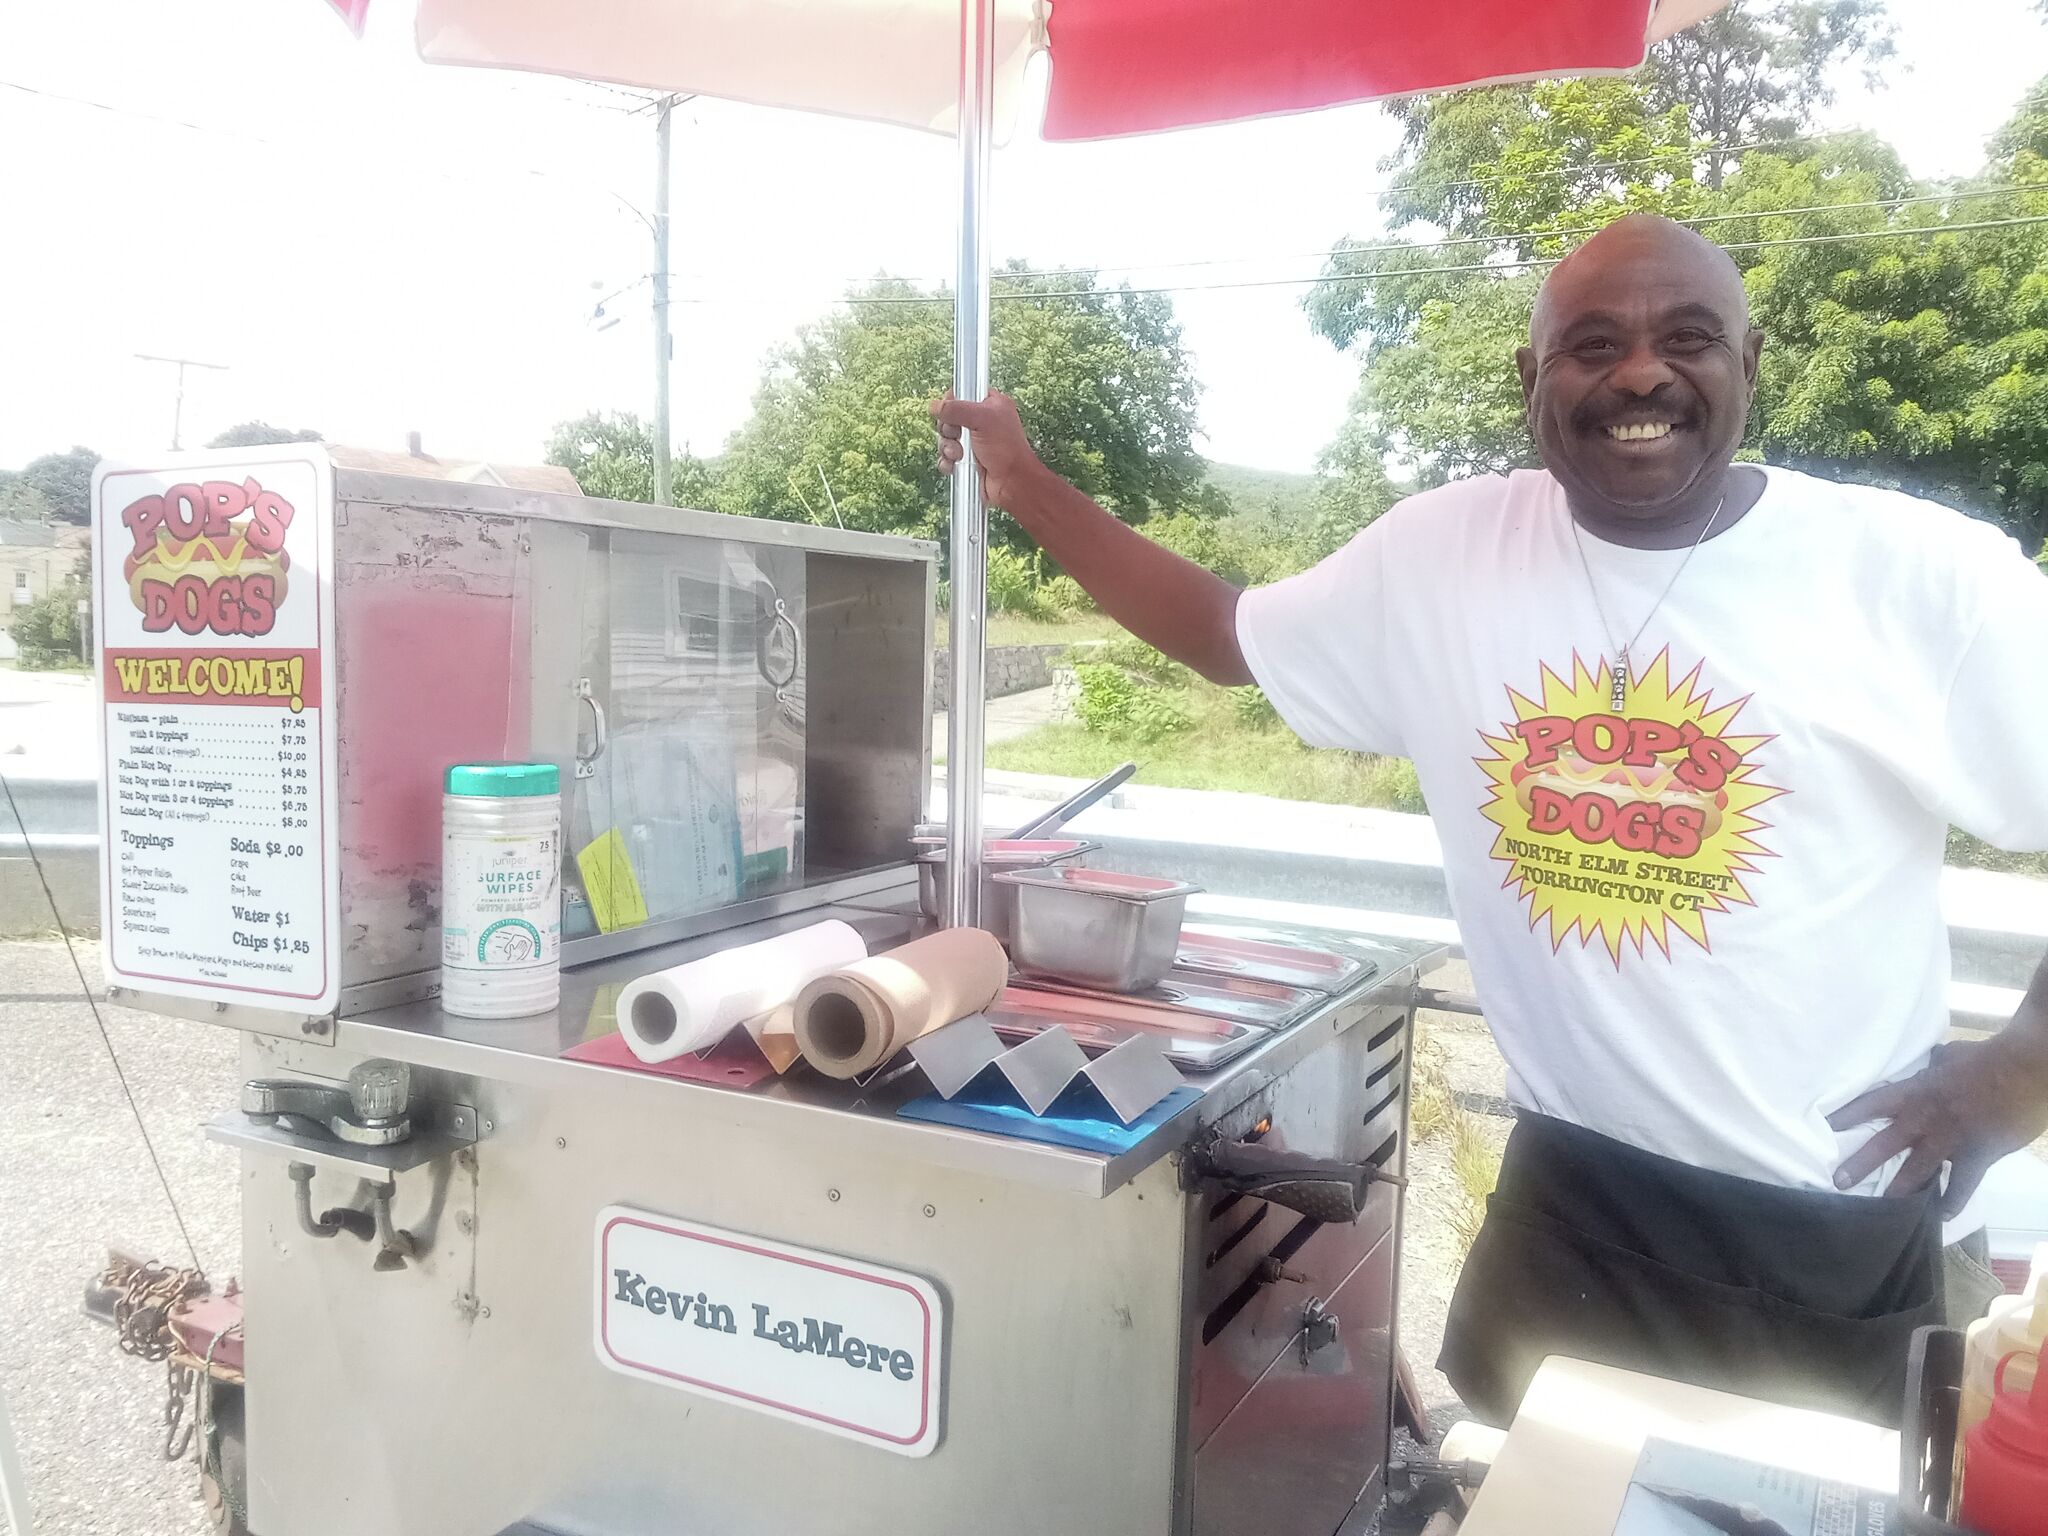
1639	371
1643	240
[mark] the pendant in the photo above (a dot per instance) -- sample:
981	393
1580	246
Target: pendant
1617	700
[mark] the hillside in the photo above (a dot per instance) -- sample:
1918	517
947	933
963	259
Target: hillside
1270	492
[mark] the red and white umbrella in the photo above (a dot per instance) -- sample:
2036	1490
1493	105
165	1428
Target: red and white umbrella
1116	67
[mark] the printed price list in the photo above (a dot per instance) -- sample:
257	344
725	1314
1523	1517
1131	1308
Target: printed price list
216	859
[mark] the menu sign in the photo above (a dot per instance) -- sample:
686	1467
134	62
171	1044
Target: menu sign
214	606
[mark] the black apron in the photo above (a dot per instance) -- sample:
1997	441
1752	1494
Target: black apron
1600	1251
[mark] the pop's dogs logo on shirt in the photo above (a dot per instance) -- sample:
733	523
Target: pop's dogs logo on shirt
1623	827
208	558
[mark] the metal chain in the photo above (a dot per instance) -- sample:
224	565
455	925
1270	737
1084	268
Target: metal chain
1601	608
181	1387
149	1294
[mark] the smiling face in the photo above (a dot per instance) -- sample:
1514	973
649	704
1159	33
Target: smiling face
1639	371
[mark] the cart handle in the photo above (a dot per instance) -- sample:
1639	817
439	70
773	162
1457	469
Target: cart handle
1320	1188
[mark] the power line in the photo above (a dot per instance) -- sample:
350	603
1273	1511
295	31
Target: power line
1391	246
1675	152
1496	267
1396	246
1959	195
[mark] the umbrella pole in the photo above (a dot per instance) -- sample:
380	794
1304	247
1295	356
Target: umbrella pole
965	723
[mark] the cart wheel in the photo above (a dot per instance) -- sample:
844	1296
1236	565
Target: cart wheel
224	1480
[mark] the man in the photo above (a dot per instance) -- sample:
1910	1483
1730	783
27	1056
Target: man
1692	733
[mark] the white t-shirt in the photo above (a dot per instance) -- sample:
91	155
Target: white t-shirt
1701	930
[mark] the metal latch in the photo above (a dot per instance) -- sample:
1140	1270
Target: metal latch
1318	1327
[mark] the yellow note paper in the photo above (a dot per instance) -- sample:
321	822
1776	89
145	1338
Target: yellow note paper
604	1011
610	885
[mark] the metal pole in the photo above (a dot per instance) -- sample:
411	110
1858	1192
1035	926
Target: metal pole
178	410
664	347
13	1481
969	549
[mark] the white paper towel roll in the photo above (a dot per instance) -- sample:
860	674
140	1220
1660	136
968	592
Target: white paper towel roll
691	1007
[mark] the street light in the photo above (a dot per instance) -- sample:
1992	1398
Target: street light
84	611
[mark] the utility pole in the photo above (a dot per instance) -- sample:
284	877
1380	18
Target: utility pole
178	411
664	346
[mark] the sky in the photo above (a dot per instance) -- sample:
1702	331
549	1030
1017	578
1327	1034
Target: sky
372	246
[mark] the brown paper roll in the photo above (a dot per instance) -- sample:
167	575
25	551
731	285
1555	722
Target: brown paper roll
852	1020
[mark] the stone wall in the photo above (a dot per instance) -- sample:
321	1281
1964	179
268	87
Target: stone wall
1011	669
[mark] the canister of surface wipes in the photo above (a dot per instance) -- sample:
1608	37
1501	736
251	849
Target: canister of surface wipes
501	890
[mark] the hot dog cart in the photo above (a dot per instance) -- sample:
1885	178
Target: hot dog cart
492	1284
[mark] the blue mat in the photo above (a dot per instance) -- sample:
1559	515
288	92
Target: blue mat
1078	1118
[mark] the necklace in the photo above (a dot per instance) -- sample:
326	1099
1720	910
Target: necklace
1618	699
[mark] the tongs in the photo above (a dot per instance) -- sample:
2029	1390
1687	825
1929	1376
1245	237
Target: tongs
1051	822
1067	810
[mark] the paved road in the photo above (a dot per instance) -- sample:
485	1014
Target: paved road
47	713
74	1178
1008	718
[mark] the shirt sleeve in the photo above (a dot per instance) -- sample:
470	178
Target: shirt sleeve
1996	733
1317	644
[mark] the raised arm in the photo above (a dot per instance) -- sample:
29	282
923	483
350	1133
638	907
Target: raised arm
1163	599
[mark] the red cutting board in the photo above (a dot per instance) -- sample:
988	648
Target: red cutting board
735	1062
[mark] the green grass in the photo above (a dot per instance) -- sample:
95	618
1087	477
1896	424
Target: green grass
1974	853
1218	753
1017	629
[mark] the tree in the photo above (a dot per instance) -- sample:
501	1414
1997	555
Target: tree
257	434
1917	360
20	501
613	456
47	629
1439	324
1919	363
64	481
1354	488
841	428
1749	73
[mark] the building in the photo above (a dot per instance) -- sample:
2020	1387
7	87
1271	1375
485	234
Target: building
411	461
35	560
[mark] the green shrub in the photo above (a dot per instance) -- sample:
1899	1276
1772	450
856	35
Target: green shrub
1244	551
1110	702
1155	716
1063	595
1104	698
1149	663
1974	853
1012	583
1253	710
1391	782
47	629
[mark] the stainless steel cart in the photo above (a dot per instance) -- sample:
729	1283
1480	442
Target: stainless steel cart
1117	1341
